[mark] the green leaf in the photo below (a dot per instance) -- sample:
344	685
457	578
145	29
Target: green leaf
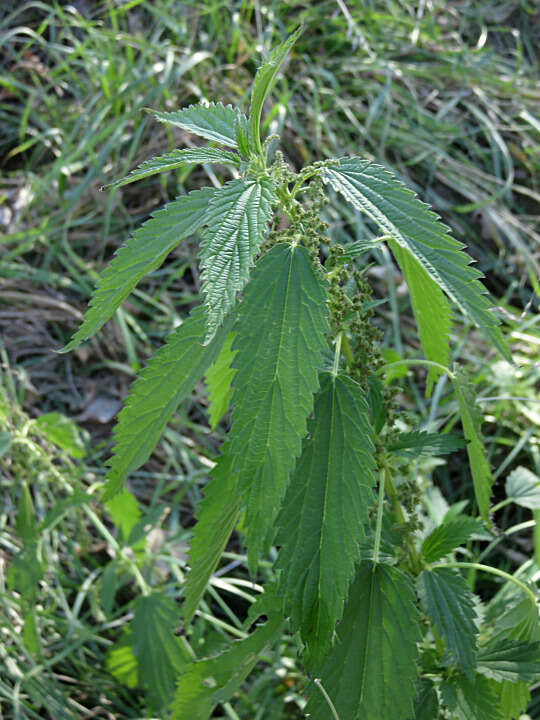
325	510
144	252
62	432
235	222
160	654
262	86
209	682
426	706
514	620
511	661
5	442
279	345
420	444
24	573
471	420
431	311
448	536
218	381
214	121
241	130
122	663
355	249
512	698
169	377
26	524
175	159
449	604
216	519
417	230
125	513
523	488
468	700
371	671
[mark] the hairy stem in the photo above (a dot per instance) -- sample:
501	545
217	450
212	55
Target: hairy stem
378	527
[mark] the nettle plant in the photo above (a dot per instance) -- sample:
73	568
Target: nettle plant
387	623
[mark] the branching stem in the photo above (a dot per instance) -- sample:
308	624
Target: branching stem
494	571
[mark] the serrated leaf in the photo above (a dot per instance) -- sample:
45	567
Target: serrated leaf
62	432
356	249
160	654
523	487
512	698
448	536
122	663
325	511
241	130
418	231
262	86
514	620
371	671
279	345
175	159
216	519
214	121
169	377
125	513
426	706
235	221
431	311
142	253
449	604
471	421
419	444
510	661
209	682
469	700
218	381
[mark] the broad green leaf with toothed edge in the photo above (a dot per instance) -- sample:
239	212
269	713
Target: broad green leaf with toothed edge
419	443
418	231
144	252
171	374
216	518
235	221
160	654
279	346
471	420
214	121
431	311
175	159
512	661
218	381
449	604
370	673
448	536
470	700
209	682
263	84
325	510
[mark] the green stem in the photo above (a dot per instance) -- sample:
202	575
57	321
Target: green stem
418	361
378	527
335	366
494	571
347	351
326	696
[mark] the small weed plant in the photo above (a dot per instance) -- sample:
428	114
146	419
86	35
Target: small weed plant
380	600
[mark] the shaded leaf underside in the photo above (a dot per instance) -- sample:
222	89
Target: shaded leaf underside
235	222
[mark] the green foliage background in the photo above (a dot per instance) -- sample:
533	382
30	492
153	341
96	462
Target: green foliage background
445	94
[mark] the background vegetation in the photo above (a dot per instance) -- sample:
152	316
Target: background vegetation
445	93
